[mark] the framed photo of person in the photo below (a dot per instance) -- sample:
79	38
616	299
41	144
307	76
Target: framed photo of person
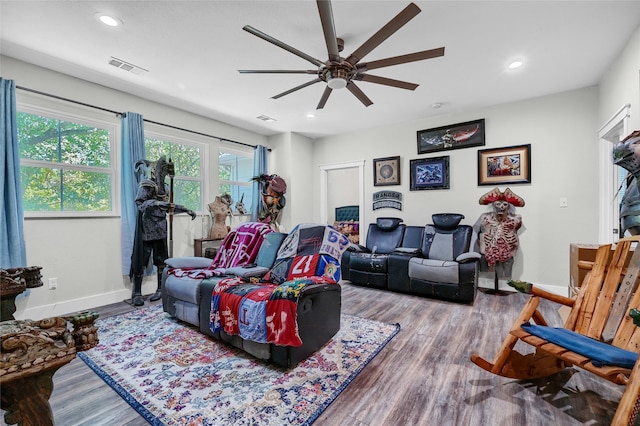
453	136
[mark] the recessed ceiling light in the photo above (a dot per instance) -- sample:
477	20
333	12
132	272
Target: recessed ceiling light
515	64
108	20
310	115
436	105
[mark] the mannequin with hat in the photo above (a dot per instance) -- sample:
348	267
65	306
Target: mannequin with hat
273	188
498	232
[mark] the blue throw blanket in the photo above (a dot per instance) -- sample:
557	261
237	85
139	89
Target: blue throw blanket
601	354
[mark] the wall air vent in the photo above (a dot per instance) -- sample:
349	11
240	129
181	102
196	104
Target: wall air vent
124	65
266	118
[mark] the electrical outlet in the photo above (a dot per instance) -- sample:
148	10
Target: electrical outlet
53	283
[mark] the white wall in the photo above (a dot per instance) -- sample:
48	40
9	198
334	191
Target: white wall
562	130
291	159
85	254
621	84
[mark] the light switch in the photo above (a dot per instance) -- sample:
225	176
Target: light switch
564	202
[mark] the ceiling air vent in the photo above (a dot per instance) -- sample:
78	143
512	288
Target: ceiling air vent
124	65
266	118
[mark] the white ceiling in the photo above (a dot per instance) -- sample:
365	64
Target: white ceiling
193	50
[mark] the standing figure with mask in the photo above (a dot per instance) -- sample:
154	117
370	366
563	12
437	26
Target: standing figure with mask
153	202
498	231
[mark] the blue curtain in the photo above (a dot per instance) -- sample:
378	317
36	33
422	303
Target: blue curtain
13	251
132	150
259	167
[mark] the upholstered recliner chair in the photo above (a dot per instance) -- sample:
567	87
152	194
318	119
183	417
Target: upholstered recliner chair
300	283
369	266
181	296
446	268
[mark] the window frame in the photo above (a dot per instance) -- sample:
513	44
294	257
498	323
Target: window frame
155	133
83	117
248	152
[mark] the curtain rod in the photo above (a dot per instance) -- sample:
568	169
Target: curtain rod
26	89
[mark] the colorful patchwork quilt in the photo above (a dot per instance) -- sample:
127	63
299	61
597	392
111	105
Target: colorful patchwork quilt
239	248
265	312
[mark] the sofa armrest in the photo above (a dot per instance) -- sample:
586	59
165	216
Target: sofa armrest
470	256
407	250
247	271
188	262
357	248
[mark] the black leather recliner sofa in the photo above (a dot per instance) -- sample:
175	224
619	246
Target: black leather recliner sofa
434	261
368	265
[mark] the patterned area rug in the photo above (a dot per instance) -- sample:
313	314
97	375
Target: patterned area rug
174	375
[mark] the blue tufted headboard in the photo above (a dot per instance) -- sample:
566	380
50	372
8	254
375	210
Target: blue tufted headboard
346	213
347	222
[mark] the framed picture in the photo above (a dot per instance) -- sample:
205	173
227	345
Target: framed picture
455	136
386	171
510	164
430	173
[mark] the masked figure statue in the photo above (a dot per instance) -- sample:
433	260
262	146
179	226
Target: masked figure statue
626	154
153	202
498	230
273	188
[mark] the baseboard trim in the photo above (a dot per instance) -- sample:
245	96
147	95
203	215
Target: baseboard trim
75	305
503	286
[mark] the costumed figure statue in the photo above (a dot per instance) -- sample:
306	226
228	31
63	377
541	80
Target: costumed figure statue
154	201
219	210
273	188
498	231
626	154
240	206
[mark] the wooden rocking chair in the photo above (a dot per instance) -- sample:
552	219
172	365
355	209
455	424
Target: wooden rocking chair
599	312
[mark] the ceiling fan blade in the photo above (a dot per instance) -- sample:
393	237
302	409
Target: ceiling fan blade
359	94
278	71
284	46
407	14
329	29
325	96
386	81
402	59
302	86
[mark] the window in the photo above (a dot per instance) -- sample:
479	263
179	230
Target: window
235	173
187	157
67	163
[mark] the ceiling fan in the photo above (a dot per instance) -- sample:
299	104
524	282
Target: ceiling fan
339	72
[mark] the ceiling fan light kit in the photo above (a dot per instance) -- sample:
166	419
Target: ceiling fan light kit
338	72
337	83
337	79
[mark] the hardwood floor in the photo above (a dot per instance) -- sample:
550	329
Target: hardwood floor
422	377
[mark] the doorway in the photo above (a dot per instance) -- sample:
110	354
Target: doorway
341	184
611	176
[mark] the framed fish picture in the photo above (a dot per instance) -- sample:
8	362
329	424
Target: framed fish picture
454	136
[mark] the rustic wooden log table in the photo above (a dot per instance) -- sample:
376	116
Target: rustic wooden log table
31	353
13	282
